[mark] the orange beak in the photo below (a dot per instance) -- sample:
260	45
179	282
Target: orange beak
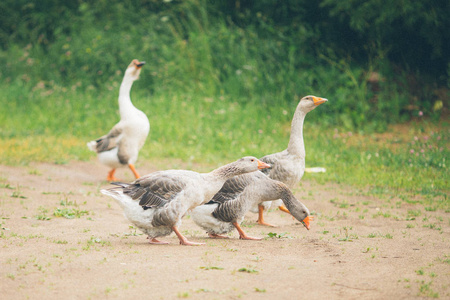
318	100
140	64
263	165
306	221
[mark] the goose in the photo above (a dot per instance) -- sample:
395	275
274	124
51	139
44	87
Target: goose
288	166
120	147
157	202
227	208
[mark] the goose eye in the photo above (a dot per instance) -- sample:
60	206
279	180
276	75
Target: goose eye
252	160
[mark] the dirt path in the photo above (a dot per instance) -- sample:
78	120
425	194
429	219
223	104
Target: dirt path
359	247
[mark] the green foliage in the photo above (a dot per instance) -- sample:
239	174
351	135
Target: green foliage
216	130
223	78
403	30
246	270
278	236
252	51
69	213
211	268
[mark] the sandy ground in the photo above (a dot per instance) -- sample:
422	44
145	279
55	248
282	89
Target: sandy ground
359	247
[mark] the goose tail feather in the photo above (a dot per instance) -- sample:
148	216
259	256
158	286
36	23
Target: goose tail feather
92	145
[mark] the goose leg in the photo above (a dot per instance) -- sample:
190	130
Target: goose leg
283	208
216	236
111	176
242	234
133	169
183	240
261	217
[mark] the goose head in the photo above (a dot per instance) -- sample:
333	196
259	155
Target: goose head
243	165
296	208
310	102
301	213
134	69
250	164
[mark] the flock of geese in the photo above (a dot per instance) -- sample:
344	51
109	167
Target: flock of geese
217	201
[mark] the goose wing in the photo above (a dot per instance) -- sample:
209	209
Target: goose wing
155	190
273	160
232	188
111	140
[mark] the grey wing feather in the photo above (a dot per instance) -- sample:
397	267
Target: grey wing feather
278	172
230	208
232	188
154	191
270	159
109	141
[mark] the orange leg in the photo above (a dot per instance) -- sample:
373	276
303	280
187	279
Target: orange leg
183	240
261	217
133	169
110	176
283	208
242	234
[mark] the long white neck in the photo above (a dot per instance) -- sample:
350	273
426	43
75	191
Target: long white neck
296	145
125	105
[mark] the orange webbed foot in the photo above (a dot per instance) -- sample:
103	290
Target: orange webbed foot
111	177
184	241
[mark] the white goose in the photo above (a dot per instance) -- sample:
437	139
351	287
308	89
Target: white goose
288	166
120	147
228	207
155	203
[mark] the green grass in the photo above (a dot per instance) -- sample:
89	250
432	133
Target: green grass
69	213
211	268
407	161
215	92
278	235
247	270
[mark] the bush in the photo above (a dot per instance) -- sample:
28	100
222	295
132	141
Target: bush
266	52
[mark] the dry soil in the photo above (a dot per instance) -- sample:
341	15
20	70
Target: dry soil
359	246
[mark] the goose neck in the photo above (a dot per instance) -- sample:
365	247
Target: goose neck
297	209
296	145
125	104
226	172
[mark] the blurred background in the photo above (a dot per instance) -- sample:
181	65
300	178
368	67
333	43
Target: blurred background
377	61
216	62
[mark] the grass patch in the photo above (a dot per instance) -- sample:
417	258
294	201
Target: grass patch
247	270
93	242
224	130
278	236
211	268
42	214
426	290
69	213
63	242
413	213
